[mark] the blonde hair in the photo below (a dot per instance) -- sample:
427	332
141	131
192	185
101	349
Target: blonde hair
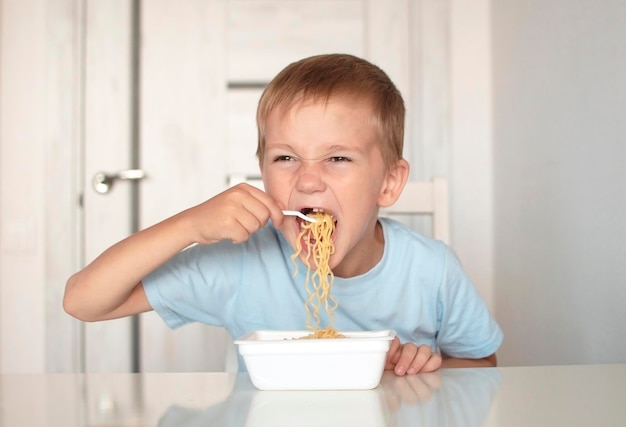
324	76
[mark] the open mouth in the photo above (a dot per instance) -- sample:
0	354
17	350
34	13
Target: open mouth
321	216
318	212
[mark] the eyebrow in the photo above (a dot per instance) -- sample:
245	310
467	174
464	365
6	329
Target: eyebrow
332	148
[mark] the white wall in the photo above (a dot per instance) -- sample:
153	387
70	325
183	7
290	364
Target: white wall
560	180
471	177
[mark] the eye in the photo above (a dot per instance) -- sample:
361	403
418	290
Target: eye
339	159
283	158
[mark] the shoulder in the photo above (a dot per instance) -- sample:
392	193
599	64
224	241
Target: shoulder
432	258
399	237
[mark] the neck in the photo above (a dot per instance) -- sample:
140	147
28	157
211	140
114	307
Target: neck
364	256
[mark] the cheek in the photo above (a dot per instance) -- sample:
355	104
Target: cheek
279	190
271	185
362	193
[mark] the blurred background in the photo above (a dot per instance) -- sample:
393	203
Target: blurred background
520	103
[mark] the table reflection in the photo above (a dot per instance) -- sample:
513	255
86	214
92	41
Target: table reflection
575	396
444	398
449	397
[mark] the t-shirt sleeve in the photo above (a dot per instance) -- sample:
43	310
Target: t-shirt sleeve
466	327
196	285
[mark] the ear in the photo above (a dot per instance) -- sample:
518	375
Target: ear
393	183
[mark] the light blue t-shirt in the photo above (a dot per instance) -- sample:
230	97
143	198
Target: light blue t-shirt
417	289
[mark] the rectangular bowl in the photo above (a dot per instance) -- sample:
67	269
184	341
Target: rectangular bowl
278	360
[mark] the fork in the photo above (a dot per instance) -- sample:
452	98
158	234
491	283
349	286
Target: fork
299	215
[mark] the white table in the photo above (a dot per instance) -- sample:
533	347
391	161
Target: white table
593	395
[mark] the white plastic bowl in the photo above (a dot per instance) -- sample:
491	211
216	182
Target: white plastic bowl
277	360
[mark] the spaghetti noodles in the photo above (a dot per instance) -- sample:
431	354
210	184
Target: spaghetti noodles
318	238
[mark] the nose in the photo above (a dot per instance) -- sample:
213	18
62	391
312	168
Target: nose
310	179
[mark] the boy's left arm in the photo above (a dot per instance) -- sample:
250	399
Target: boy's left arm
453	362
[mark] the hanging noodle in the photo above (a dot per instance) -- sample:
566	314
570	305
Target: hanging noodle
318	238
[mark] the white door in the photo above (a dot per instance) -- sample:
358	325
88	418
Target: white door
202	65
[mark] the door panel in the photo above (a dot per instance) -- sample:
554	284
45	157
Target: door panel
107	145
182	149
266	35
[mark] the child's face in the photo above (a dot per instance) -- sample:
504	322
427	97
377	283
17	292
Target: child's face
327	156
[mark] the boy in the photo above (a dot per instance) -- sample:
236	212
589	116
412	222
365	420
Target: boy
330	137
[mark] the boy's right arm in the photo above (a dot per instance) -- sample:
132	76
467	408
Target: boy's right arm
110	287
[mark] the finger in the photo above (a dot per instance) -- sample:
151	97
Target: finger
392	354
251	210
433	363
406	360
254	216
421	358
240	224
243	228
275	212
252	198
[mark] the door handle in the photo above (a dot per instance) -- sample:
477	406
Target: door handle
103	182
